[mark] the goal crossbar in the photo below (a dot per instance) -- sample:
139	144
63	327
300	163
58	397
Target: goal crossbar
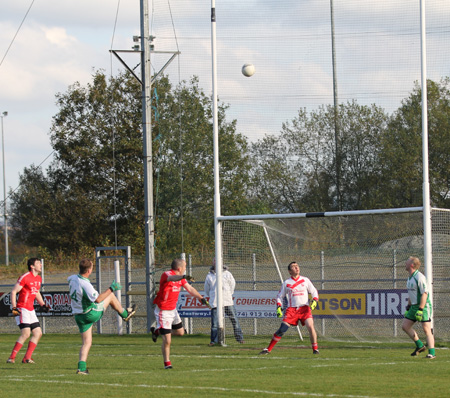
321	214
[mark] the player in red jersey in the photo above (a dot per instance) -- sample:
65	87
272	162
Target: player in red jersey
295	290
27	286
167	318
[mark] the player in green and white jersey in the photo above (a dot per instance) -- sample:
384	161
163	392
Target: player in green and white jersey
418	309
88	307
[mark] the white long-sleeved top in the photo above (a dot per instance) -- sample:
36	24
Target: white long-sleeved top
228	285
296	292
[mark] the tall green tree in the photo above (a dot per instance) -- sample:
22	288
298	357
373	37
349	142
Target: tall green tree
89	185
92	193
185	167
401	154
296	170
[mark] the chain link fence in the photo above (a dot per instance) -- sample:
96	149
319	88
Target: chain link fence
344	256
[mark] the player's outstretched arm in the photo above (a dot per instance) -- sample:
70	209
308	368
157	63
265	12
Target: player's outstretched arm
176	278
193	292
205	301
114	286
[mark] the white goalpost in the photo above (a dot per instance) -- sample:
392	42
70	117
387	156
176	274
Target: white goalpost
355	259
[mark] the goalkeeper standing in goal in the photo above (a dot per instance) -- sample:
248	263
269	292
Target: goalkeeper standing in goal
418	309
295	290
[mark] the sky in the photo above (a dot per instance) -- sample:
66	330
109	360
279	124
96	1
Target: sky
48	45
58	44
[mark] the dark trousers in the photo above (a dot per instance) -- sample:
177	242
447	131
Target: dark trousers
230	312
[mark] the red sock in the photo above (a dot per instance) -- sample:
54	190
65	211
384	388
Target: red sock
275	340
15	350
315	346
30	349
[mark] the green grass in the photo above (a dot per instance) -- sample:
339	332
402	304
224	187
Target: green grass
131	366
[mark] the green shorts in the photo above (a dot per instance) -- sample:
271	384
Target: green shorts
85	321
411	313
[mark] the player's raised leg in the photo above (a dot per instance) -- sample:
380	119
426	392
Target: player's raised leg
112	301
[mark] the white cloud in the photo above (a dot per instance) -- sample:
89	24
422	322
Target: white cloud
58	36
289	42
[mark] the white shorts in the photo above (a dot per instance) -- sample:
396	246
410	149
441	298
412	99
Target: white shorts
26	317
166	318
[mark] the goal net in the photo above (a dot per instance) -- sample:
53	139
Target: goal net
355	259
370	56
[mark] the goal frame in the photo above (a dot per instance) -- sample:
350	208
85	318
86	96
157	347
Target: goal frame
261	217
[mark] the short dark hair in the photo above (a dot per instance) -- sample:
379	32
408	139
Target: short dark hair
292	262
31	262
177	263
85	264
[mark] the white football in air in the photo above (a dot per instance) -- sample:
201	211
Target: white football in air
248	70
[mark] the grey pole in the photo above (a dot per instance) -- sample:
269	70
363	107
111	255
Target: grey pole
336	112
148	164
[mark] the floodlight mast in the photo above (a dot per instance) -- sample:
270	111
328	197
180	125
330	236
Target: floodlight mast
217	224
148	164
146	82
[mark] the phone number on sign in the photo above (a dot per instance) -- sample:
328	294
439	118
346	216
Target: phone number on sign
256	314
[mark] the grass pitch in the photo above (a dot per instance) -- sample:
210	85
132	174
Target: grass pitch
132	366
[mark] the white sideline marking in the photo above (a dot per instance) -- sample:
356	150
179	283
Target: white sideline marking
236	390
216	370
374	364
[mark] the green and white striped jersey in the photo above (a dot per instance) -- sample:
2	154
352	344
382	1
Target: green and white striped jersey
416	285
82	294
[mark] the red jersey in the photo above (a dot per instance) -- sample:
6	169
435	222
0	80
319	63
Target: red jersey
30	287
167	297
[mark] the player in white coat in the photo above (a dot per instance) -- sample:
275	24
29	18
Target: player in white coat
295	290
228	285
